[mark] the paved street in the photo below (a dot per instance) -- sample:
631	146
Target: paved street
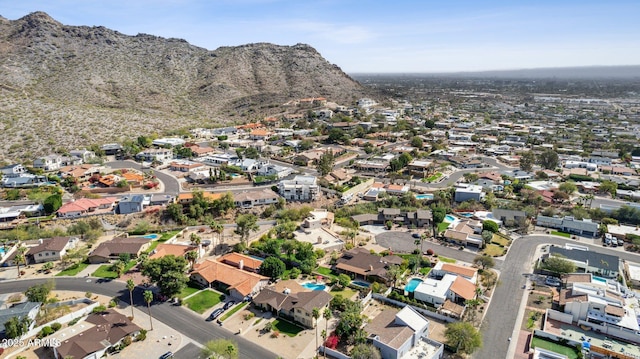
171	185
182	320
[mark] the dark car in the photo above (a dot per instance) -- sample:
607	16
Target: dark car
228	304
216	313
416	235
166	355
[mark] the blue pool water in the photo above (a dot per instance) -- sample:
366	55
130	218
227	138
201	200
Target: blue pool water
412	285
360	283
151	236
256	257
1	252
468	215
599	279
314	286
424	196
449	218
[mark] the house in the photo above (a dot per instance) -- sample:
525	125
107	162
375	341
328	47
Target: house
50	249
81	173
199	151
371	166
14	170
509	217
132	204
318	218
111	149
86	206
155	154
160	199
397	334
420	167
396	189
270	169
168	142
260	134
468	193
165	249
300	188
107	330
338	176
48	163
112	249
466	272
569	224
185	166
24	180
250	199
186	198
359	263
600	264
13	213
437	289
241	261
20	310
239	283
85	155
420	218
464	233
220	159
297	307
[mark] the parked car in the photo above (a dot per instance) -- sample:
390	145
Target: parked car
552	281
228	304
620	242
216	313
166	355
416	235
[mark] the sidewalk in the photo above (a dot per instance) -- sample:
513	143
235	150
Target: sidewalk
87	272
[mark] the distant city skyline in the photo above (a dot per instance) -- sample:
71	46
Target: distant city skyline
402	36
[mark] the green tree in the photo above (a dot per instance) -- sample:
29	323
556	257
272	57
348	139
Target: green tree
52	203
246	223
548	159
558	265
485	261
609	187
315	313
417	142
16	327
148	298
131	286
325	163
487	236
343	280
39	293
568	187
327	315
527	159
168	273
20	257
439	214
337	135
251	152
394	273
463	337
365	351
220	348
272	267
191	256
490	226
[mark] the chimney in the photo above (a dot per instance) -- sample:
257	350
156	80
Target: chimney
370	267
241	264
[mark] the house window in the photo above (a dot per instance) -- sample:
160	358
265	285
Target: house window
39	254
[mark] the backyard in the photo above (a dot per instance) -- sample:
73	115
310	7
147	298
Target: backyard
327	272
204	300
554	347
346	293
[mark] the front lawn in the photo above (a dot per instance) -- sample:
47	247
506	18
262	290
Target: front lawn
74	269
104	271
443	226
286	328
203	301
561	234
187	291
433	177
235	309
446	260
499	240
493	250
554	347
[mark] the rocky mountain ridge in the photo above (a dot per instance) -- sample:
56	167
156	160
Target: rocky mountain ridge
69	86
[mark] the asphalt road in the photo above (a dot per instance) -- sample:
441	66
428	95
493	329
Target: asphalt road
178	318
171	185
500	318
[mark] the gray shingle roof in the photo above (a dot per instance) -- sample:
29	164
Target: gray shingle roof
594	259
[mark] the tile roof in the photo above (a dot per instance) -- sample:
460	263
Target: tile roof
188	196
463	288
165	249
234	259
85	204
241	280
461	270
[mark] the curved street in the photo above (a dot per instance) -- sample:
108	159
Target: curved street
178	318
171	184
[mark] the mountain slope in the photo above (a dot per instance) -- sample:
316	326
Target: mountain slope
67	86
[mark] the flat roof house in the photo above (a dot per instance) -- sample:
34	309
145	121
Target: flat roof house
467	193
600	264
570	225
300	188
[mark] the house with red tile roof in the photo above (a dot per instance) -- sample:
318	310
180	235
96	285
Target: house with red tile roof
241	261
86	206
165	249
240	283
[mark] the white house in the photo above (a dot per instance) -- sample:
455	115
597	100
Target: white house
48	163
300	188
14	170
471	192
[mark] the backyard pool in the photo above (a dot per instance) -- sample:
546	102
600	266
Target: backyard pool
361	283
256	257
314	286
151	236
413	283
2	252
450	218
424	196
599	279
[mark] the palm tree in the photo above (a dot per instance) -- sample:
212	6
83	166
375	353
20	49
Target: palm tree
20	258
327	315
148	297
131	285
119	267
315	313
191	256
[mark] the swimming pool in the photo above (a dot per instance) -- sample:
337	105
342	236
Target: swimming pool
314	286
361	283
424	196
151	236
450	218
256	257
412	285
2	252
599	279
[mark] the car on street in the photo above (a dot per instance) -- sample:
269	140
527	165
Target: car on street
166	355
228	304
216	313
416	235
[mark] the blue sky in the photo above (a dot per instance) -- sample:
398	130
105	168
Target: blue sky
382	35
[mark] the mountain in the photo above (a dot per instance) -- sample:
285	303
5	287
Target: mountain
63	86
